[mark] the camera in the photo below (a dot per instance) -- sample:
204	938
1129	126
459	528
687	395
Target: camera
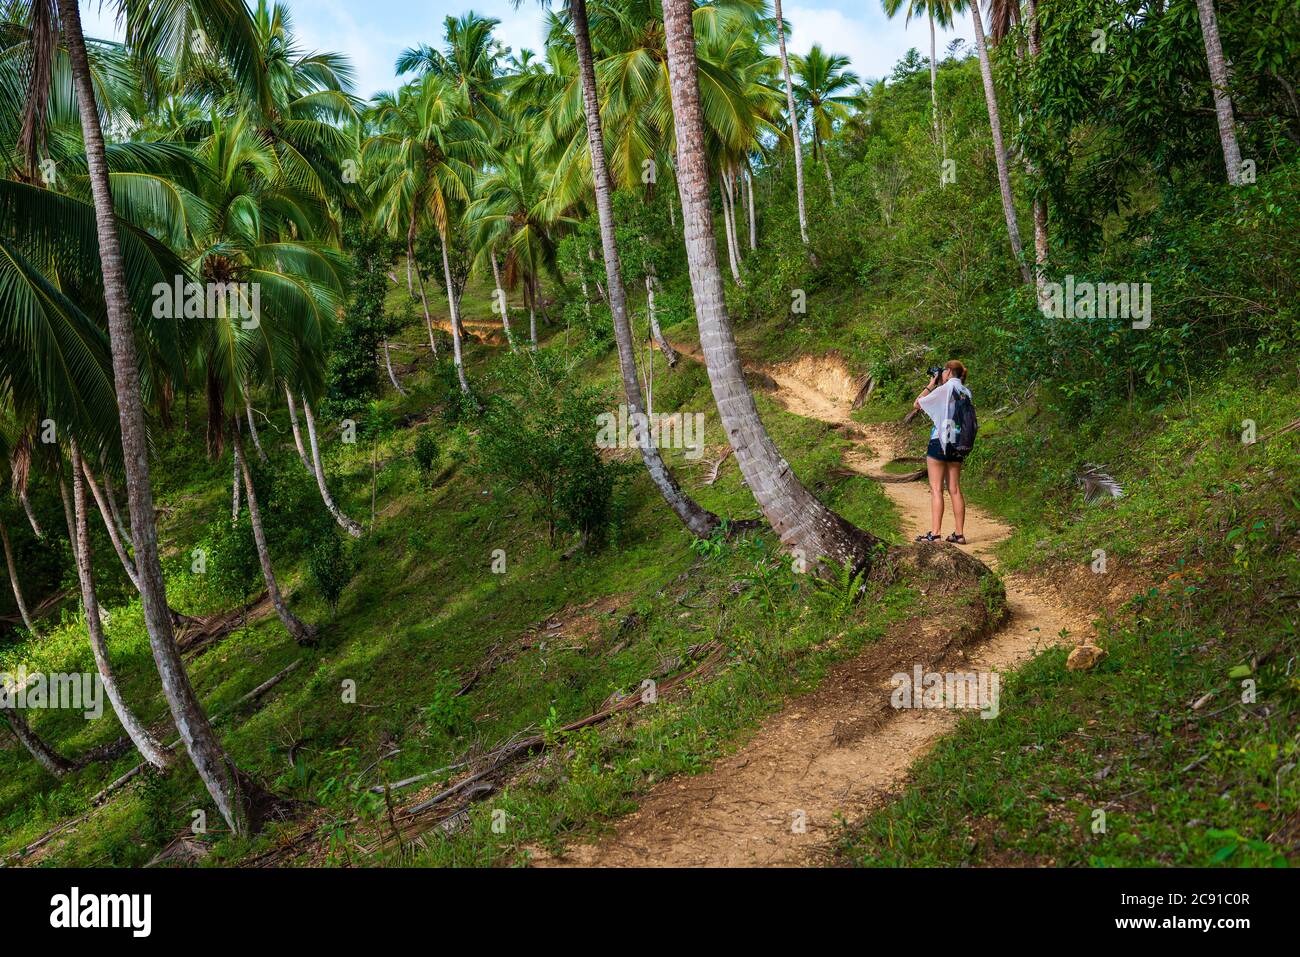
934	372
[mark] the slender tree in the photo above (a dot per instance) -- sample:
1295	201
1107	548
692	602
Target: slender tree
699	520
223	781
806	526
1221	81
796	141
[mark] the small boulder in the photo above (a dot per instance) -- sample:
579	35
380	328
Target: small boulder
1084	657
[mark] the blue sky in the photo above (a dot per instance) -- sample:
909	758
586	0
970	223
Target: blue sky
373	32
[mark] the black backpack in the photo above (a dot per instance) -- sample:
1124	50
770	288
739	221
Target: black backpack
963	416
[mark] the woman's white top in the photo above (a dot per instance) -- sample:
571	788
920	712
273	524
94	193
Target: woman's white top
938	405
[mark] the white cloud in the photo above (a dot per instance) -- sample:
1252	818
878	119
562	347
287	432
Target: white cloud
873	42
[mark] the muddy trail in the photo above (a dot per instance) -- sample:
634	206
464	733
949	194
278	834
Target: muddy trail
832	754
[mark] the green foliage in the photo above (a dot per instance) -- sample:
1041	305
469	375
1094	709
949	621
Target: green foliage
231	566
538	433
426	453
332	566
353	368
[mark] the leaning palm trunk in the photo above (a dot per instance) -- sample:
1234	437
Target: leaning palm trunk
45	755
230	791
392	377
293	421
31	516
503	306
424	299
347	524
300	632
118	545
1220	78
830	182
729	221
669	353
236	486
149	747
807	527
68	516
454	307
13	580
999	148
700	521
122	530
795	141
252	429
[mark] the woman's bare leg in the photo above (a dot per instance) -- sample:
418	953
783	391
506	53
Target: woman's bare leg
935	468
953	470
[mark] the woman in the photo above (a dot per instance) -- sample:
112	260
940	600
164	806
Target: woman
936	400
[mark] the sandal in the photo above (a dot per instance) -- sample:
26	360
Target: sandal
956	539
929	537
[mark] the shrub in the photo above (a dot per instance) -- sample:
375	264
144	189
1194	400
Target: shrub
331	567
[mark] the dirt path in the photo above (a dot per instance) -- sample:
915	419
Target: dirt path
830	754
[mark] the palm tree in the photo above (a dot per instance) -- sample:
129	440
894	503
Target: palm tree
229	789
999	147
825	90
795	139
805	525
513	211
150	748
939	11
1221	81
424	156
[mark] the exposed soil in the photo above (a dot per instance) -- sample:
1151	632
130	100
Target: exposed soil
831	754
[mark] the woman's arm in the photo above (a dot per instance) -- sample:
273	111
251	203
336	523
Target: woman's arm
924	392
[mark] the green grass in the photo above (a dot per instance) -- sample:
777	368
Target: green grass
425	609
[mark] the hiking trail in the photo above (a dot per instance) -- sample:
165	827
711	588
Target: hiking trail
745	810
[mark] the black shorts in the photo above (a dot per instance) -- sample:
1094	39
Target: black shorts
935	451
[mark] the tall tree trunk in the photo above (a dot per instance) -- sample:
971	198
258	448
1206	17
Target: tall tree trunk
347	524
1220	78
804	524
69	517
1040	201
934	95
795	141
700	521
392	377
830	181
13	580
666	347
504	307
749	190
149	747
419	276
729	229
454	306
119	545
228	788
45	755
999	148
531	296
31	516
111	496
299	631
293	423
236	490
252	428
